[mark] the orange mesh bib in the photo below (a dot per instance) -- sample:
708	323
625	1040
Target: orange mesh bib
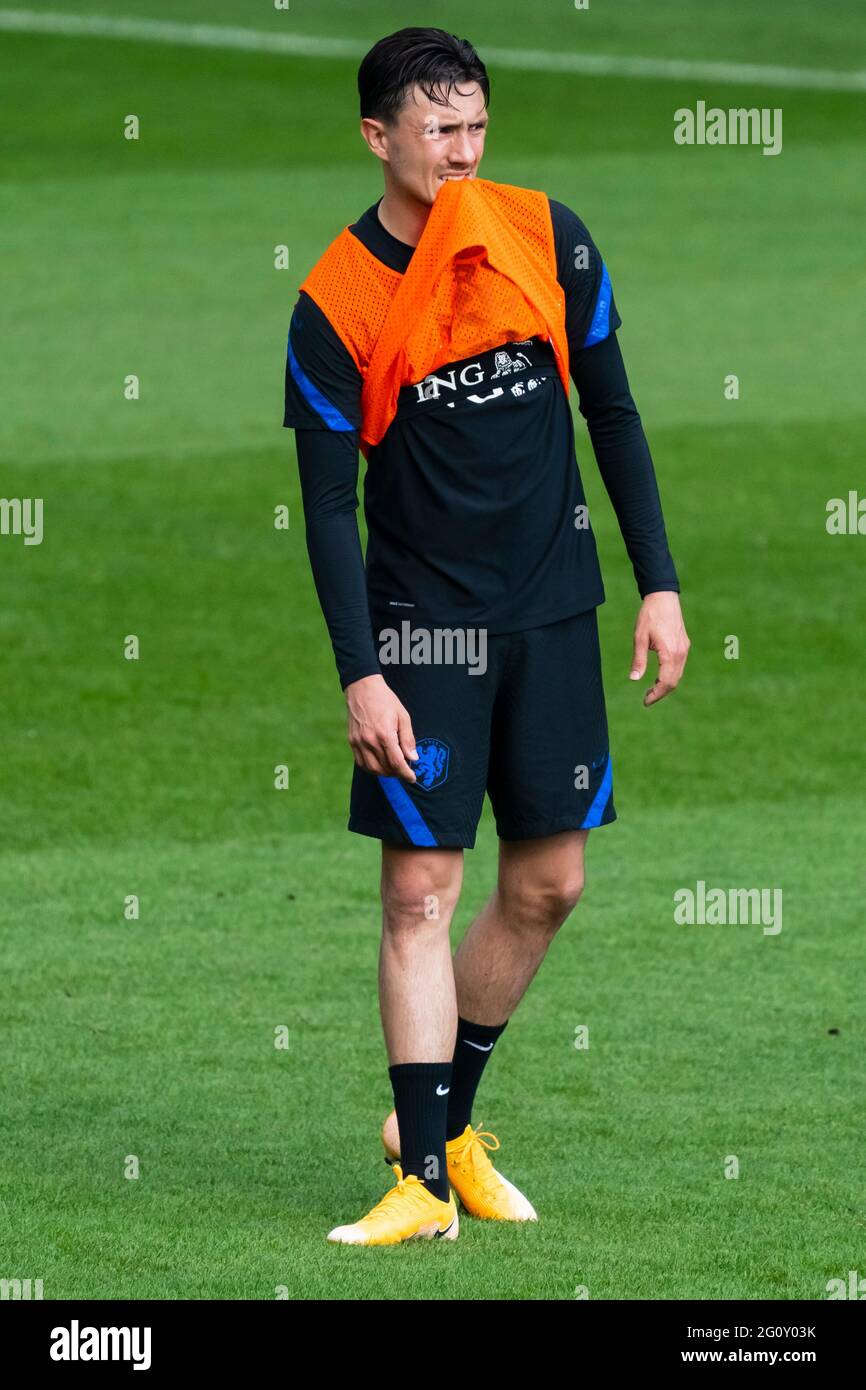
483	274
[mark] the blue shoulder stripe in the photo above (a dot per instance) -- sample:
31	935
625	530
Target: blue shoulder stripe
600	326
313	396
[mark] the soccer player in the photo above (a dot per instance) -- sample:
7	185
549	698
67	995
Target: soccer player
437	334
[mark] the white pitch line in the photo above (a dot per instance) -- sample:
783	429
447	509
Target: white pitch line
527	60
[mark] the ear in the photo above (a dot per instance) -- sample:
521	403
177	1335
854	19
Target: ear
375	135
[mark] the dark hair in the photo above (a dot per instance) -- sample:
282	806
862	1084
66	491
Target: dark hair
435	60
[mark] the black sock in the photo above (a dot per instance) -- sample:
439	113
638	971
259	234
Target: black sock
471	1051
421	1092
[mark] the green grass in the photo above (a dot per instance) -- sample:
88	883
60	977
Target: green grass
155	1038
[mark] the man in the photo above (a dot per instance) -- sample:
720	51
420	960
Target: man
438	333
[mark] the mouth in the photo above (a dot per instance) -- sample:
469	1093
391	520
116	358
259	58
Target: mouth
452	178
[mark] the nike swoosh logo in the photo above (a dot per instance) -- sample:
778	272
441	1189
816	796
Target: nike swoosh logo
442	1091
480	1047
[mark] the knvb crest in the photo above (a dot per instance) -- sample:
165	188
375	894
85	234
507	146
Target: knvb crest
431	769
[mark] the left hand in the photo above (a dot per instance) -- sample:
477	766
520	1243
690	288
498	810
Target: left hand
660	628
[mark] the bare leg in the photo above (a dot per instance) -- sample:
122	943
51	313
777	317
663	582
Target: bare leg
540	882
420	889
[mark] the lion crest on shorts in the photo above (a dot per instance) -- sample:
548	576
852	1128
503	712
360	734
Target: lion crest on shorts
431	769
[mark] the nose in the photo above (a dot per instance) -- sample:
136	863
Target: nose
462	151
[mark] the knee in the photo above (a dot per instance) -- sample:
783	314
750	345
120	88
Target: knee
418	894
541	904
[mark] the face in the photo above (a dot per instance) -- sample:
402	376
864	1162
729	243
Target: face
430	143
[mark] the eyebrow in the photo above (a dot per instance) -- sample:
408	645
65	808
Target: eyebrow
483	119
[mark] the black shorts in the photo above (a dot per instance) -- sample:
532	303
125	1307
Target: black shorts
531	731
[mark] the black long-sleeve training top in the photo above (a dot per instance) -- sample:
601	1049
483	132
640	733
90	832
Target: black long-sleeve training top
473	499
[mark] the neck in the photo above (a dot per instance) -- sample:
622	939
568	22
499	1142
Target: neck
403	216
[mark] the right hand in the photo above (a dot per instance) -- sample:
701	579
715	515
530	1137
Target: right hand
380	730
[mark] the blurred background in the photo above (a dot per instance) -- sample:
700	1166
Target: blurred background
154	1036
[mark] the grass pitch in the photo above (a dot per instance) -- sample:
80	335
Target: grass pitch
153	1039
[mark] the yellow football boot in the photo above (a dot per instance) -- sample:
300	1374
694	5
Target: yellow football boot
408	1212
482	1190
